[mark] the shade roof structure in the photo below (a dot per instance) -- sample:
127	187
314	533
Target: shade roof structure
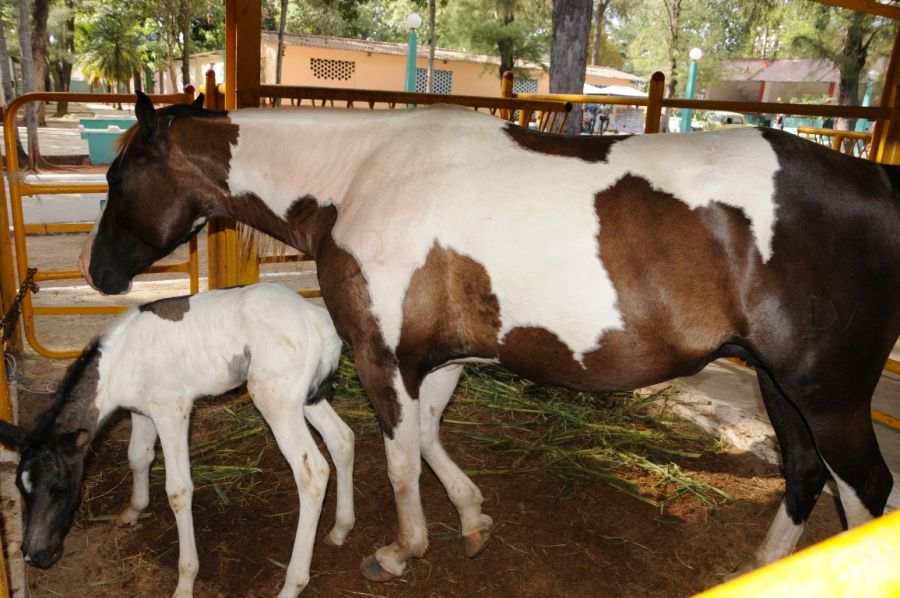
614	90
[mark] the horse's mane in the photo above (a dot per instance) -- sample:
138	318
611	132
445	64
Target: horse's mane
64	392
172	111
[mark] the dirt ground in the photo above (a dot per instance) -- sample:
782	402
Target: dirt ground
553	536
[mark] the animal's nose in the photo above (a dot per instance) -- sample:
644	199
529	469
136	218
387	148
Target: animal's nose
43	558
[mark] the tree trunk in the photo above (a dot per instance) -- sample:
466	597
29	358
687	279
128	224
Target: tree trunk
186	44
5	74
62	68
504	44
136	80
34	150
853	59
599	16
568	52
432	43
171	65
279	58
39	53
673	10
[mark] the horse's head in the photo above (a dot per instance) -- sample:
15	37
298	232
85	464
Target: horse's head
158	185
49	479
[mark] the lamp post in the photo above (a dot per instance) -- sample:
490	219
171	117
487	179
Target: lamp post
687	115
414	21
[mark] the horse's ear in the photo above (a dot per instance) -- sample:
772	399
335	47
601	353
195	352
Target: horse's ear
74	442
198	103
12	434
146	114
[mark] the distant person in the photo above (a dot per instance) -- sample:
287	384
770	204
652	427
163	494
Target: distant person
779	122
602	123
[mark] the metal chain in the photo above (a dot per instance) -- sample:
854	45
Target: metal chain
8	323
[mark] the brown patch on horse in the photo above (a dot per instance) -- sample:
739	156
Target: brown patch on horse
677	273
171	308
346	294
584	147
449	311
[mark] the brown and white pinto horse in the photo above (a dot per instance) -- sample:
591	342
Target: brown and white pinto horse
442	236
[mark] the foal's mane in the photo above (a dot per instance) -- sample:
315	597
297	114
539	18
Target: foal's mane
64	392
173	111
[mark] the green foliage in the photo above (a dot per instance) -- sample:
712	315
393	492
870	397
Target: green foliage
111	46
515	30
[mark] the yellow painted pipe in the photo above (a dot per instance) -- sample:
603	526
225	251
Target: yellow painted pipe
30	188
860	562
58	228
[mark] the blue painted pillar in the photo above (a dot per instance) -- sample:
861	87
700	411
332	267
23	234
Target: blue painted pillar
411	61
688	115
862	124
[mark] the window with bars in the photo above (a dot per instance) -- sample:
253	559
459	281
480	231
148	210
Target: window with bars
335	70
443	81
525	86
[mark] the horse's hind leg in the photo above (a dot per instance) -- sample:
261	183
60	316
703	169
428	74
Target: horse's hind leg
339	439
804	473
140	457
282	408
833	419
434	394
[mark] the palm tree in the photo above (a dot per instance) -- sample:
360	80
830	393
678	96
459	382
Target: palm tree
111	54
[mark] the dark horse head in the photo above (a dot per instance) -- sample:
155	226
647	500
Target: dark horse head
49	479
51	464
159	186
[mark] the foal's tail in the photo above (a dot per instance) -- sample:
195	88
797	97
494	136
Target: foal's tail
322	391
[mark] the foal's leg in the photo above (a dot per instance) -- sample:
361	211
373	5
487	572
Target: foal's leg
434	394
282	408
140	457
339	439
404	460
173	437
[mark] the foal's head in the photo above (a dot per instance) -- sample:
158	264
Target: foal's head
49	478
160	188
51	464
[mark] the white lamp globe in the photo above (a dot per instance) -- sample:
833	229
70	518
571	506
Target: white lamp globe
696	54
414	21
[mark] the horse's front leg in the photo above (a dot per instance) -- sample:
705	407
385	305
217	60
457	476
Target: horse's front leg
401	440
173	437
140	457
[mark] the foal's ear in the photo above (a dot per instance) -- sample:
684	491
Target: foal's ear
146	114
198	103
74	442
12	434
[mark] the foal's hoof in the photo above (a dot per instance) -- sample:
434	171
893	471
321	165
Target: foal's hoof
476	541
335	537
372	570
128	517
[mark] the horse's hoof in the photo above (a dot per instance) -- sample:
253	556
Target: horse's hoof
372	570
740	570
476	541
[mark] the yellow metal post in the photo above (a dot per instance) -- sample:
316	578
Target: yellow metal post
654	102
229	264
860	562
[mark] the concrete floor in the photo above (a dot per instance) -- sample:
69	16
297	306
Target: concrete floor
724	398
